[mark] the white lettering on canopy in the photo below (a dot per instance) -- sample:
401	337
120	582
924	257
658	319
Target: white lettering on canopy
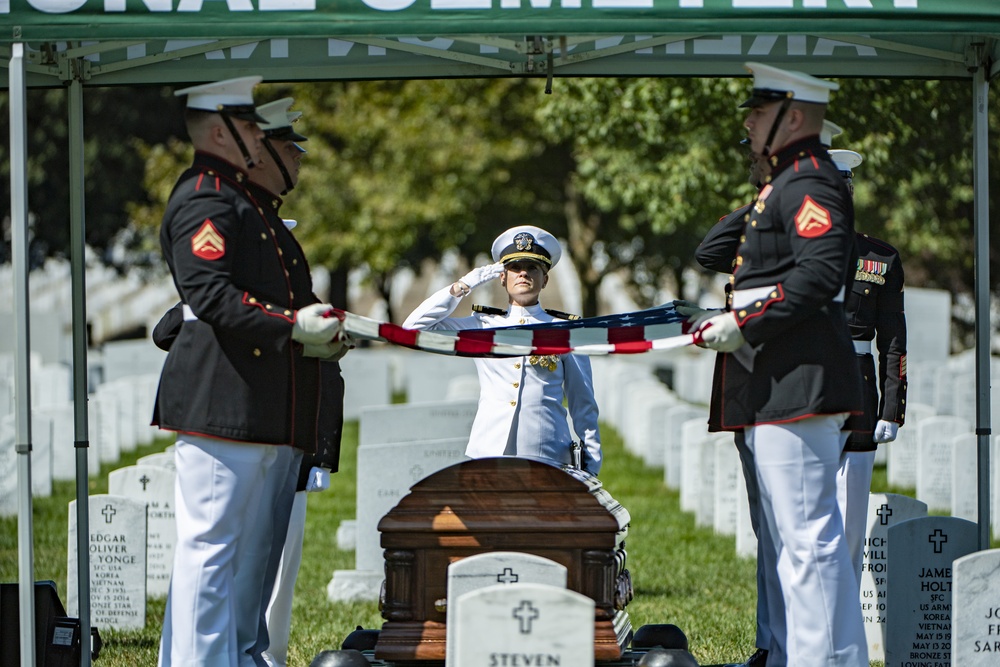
55	6
539	4
196	5
461	4
151	5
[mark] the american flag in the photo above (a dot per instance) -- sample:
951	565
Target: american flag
659	328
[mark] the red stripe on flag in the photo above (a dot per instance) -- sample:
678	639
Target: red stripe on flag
397	334
633	347
477	341
551	341
619	335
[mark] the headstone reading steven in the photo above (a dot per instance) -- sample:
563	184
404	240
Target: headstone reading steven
934	437
523	624
491	569
153	485
919	586
117	562
976	599
884	511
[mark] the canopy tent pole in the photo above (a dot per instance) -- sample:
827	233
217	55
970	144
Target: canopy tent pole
79	299
22	351
980	100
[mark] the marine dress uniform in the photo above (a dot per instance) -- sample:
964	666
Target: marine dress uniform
793	381
521	409
234	387
875	317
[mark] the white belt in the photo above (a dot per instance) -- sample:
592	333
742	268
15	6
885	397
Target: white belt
863	346
744	297
189	315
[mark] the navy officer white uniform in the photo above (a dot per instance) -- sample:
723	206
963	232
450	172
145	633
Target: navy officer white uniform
521	409
789	379
232	386
875	316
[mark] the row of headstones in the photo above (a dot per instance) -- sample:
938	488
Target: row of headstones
118	421
131	546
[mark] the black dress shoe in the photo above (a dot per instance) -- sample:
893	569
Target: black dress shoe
758	659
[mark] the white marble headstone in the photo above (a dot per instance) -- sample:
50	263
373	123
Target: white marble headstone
934	438
159	460
409	423
728	472
901	453
694	438
367	374
975	637
153	485
884	511
673	439
427	376
117	562
494	568
103	423
919	588
965	476
523	624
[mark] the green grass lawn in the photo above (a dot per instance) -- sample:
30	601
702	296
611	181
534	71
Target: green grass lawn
683	575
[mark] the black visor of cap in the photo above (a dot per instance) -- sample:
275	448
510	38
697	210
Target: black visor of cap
537	253
761	96
242	111
284	134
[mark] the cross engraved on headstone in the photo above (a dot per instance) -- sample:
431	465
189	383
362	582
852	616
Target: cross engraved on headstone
884	512
938	538
525	614
108	512
144	480
416	473
507	576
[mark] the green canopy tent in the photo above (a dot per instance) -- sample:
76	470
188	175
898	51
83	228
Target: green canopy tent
81	43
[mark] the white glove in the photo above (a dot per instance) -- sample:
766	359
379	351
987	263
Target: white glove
720	333
885	431
332	351
688	309
482	274
315	324
319	480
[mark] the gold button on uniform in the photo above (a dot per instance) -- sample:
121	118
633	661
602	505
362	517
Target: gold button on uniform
753	224
263	236
252	299
288	313
295	262
517	365
521	321
743	313
867	291
516	385
513	403
268	306
256	352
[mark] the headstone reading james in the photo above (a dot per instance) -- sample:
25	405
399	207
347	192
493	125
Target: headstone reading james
884	511
493	568
919	578
523	624
117	562
976	622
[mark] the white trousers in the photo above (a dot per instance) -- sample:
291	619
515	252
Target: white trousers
279	611
768	588
217	504
854	483
797	465
263	553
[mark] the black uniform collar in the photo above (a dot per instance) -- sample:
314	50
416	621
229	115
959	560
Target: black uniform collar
784	158
215	164
265	197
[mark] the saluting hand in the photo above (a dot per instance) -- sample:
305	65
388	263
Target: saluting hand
479	276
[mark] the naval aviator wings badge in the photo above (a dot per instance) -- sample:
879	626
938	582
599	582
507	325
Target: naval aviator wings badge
208	243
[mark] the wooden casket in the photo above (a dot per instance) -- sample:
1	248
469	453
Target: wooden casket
500	504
